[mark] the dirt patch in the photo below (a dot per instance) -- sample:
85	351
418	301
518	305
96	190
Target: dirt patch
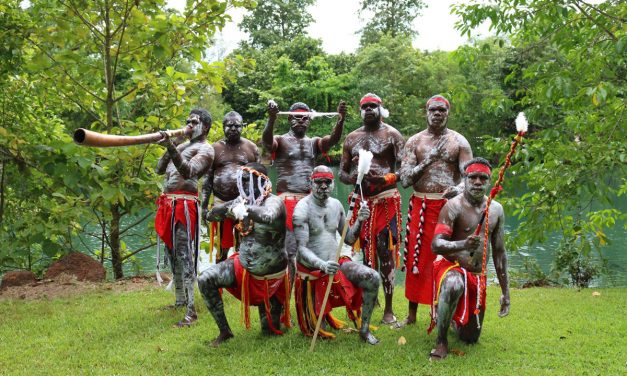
17	278
77	264
66	285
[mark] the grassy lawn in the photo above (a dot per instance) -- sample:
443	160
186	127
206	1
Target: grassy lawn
548	331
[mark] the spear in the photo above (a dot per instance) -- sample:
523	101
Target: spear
521	128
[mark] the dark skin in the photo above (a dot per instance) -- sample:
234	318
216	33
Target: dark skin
182	166
231	153
462	214
261	252
296	158
432	163
386	144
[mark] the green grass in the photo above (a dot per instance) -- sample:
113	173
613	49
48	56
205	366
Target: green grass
549	331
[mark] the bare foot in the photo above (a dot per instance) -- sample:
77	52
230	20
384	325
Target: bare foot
187	321
440	352
368	338
404	323
388	318
223	337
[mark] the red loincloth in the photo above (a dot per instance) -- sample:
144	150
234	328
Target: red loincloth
419	287
385	213
224	231
309	289
467	303
165	220
257	290
290	200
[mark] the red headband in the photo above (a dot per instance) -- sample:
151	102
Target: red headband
300	110
369	99
478	167
439	99
318	175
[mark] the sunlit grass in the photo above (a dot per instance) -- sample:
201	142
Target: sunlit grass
549	331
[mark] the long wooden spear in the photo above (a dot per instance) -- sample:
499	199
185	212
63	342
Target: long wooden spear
521	128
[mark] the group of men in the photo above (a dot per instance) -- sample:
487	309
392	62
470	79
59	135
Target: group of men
288	241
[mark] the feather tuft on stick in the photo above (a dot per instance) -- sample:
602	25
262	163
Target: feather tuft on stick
365	160
239	211
521	123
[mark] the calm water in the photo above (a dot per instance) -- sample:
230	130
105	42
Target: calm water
543	253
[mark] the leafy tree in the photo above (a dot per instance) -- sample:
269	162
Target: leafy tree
389	17
275	21
130	68
570	64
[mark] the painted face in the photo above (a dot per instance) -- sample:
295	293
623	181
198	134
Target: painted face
476	184
370	111
232	128
299	124
193	121
321	188
437	114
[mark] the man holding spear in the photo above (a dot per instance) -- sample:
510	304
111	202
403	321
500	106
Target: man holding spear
318	218
380	235
294	154
458	286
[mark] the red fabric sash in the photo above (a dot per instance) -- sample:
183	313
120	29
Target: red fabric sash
467	302
227	239
290	203
163	220
258	292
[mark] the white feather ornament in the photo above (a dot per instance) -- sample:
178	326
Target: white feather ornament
521	123
365	160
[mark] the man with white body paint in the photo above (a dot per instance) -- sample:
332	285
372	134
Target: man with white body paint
458	285
231	152
379	238
318	218
294	155
432	165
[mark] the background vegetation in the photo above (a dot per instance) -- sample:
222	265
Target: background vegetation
130	67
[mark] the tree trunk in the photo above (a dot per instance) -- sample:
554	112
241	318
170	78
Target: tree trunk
116	259
1	192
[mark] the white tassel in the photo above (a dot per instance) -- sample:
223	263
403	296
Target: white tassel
170	285
385	113
159	279
414	269
239	211
521	123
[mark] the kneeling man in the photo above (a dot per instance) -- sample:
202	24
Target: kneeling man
459	290
257	274
317	220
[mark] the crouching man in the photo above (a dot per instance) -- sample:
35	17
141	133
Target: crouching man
257	274
318	218
459	290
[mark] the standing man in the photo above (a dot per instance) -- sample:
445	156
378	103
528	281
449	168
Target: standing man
256	274
294	154
459	291
318	218
231	153
432	165
177	219
380	235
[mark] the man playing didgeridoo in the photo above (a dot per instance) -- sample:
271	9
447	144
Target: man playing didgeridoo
318	218
432	165
176	221
294	155
257	274
379	238
459	294
231	152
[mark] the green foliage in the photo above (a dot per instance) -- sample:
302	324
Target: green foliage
276	21
114	67
568	64
579	336
389	17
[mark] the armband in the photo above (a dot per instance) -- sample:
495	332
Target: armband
390	178
443	229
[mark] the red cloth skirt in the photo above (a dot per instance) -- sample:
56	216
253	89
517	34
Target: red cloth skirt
419	287
165	222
